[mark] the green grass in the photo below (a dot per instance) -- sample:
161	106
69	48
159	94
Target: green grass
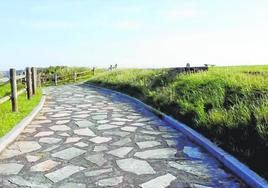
9	119
5	89
229	105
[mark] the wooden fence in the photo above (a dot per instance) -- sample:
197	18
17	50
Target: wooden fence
30	85
56	79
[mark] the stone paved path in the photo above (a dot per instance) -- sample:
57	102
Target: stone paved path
88	138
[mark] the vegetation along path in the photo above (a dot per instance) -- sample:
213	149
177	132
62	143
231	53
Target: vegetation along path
86	137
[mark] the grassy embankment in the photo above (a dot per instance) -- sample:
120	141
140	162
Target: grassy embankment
9	119
229	105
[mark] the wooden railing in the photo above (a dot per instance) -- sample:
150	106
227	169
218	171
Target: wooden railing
30	85
56	79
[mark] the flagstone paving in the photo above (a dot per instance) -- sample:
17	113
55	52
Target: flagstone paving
86	137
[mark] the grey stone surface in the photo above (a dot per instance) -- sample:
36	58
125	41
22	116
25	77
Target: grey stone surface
44	133
97	159
59	128
63	173
110	182
98	172
159	182
84	132
44	166
69	153
121	142
84	123
164	153
105	127
10	168
120	152
135	166
100	148
73	185
100	139
49	140
148	144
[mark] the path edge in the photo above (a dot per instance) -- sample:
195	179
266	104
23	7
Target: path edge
233	164
15	131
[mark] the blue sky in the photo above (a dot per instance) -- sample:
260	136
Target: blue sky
132	33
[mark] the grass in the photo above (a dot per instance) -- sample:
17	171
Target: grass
5	89
9	119
229	105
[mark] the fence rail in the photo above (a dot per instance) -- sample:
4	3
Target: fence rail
57	79
31	85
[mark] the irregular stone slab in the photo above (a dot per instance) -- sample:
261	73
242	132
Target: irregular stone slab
19	148
116	133
81	144
120	152
41	122
194	185
100	148
60	115
84	132
69	153
148	144
72	139
121	142
118	123
32	158
62	122
159	182
97	159
193	167
73	185
36	182
44	133
51	148
105	127
150	132
129	129
164	153
110	181
100	139
44	166
139	124
121	119
144	138
193	152
10	168
59	128
49	140
171	143
135	166
29	130
84	123
98	172
63	173
99	117
64	134
102	121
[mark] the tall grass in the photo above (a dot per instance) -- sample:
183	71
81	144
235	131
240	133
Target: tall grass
229	105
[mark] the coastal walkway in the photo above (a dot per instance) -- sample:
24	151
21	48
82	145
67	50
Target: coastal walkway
87	137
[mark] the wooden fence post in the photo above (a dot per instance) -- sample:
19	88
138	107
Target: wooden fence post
28	83
13	85
75	76
34	80
56	79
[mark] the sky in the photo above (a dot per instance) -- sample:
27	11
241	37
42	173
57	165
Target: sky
132	33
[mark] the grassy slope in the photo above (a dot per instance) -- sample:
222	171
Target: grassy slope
228	105
8	119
